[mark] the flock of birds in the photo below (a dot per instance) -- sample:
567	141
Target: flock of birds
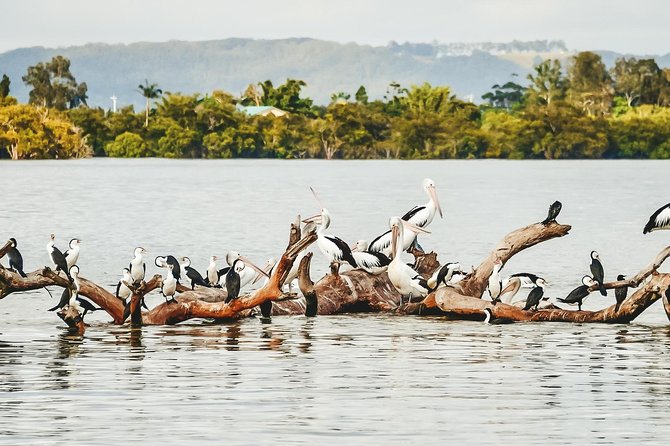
383	254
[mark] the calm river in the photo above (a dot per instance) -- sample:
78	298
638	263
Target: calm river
363	379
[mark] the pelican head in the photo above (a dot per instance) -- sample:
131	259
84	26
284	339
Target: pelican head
360	246
594	255
322	219
397	225
429	187
12	242
233	256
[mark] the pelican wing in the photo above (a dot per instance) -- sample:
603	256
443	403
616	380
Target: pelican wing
658	220
381	243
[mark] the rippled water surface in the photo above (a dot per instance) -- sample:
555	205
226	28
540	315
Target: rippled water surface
349	379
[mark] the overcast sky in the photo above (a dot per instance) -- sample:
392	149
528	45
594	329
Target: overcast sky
632	26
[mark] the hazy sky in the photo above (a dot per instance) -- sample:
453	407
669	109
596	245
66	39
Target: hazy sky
635	26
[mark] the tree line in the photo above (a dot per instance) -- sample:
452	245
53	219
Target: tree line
580	110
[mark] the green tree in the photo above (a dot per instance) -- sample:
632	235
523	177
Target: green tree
506	96
547	84
591	87
361	95
127	145
150	92
4	86
53	85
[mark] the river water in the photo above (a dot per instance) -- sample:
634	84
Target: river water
361	379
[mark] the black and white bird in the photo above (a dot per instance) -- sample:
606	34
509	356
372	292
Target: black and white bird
489	319
580	293
403	277
620	293
57	257
535	296
193	275
334	248
72	254
247	275
444	275
554	210
371	262
658	220
122	291
420	216
212	272
527	280
64	299
74	297
15	258
495	282
598	272
169	285
160	262
233	283
137	266
86	306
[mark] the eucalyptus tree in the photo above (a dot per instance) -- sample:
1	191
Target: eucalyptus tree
54	86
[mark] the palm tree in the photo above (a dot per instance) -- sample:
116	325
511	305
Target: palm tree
149	91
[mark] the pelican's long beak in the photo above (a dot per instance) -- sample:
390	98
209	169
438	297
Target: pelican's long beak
433	195
267	270
256	268
395	234
414	228
510	286
313	219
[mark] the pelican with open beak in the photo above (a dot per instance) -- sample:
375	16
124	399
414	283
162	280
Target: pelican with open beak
247	275
403	277
334	248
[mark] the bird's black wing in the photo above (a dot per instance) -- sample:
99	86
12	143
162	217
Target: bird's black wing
378	244
223	271
576	295
64	299
232	285
533	298
598	275
346	251
59	260
87	305
176	267
16	261
118	288
532	277
412	212
383	260
554	210
195	276
657	223
620	294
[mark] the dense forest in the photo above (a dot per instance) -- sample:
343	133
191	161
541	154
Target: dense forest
582	110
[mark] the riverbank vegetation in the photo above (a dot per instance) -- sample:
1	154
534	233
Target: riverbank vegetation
580	110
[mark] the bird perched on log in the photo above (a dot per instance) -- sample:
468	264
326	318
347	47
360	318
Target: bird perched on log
535	296
620	293
74	302
495	283
122	291
212	272
598	272
64	299
86	306
444	274
72	254
57	257
658	220
578	295
369	261
194	276
247	275
169	285
233	280
403	277
489	319
160	262
15	258
334	248
137	266
527	280
554	210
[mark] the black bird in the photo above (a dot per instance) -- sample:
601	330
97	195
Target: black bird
527	279
15	258
195	277
534	298
658	220
222	274
578	295
64	299
170	260
57	257
620	293
233	280
495	320
443	275
554	210
87	306
598	272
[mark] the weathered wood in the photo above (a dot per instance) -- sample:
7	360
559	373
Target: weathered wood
5	249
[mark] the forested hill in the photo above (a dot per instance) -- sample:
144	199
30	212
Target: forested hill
327	67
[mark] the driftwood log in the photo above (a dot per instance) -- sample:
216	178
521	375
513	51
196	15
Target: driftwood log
355	290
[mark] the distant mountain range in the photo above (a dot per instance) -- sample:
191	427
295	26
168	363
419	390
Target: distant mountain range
470	69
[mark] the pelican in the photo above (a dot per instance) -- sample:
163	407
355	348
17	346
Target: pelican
268	268
578	295
371	262
247	275
194	276
137	266
403	277
122	291
658	220
334	248
444	274
511	288
57	257
420	216
598	272
495	284
72	254
15	258
528	280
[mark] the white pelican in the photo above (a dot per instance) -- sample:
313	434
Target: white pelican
658	220
420	216
371	262
72	254
334	248
403	277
